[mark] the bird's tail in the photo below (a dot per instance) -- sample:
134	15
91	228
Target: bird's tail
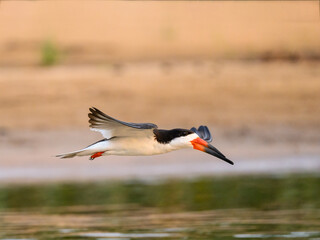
82	152
96	147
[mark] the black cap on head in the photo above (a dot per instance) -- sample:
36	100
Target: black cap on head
166	136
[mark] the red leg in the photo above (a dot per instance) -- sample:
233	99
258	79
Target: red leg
97	154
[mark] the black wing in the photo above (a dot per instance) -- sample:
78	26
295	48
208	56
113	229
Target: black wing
203	132
110	127
98	118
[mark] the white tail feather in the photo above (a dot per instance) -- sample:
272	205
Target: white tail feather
99	146
83	152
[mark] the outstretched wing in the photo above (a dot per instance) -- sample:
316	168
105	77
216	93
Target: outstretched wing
203	132
111	127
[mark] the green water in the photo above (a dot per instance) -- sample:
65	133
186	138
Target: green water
249	207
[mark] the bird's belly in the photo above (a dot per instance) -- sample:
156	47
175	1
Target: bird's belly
134	147
136	151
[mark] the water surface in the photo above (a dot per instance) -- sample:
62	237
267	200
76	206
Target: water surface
247	207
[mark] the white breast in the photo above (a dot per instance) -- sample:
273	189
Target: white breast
143	146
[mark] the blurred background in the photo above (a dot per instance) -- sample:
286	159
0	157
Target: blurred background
249	70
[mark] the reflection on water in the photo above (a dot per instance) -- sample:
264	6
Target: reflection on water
126	235
290	235
206	208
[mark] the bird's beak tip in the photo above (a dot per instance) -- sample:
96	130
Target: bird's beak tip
202	145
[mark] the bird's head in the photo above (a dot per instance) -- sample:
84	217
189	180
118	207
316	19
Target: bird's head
181	138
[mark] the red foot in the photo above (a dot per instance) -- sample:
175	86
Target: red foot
98	154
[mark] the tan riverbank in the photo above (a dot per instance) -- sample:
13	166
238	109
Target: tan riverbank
223	93
249	70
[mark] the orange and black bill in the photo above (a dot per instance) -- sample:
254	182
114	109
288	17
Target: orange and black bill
203	146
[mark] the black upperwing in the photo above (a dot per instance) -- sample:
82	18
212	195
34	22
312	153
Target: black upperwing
110	127
203	132
98	119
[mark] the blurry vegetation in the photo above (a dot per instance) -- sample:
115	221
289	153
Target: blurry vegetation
49	53
290	192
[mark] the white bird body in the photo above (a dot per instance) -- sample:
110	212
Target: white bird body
131	146
135	139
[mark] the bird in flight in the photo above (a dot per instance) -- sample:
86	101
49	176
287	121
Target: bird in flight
133	139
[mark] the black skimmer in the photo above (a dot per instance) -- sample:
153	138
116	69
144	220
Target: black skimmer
133	139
